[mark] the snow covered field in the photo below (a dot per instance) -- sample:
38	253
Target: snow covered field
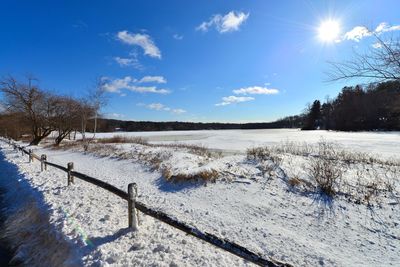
383	143
252	201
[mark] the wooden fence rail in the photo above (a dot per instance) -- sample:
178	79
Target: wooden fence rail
224	244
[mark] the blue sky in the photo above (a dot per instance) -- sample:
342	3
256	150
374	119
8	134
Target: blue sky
227	61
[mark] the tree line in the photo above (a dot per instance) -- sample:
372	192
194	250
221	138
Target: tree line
108	125
358	108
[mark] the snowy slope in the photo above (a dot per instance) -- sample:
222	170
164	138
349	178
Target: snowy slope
95	222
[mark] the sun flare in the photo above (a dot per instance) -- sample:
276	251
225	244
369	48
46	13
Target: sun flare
329	31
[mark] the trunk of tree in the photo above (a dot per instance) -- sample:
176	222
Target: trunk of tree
61	136
95	125
38	135
36	140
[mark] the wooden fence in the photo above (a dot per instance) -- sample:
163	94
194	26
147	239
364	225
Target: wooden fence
134	205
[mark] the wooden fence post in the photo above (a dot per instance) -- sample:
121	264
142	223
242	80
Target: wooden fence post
132	215
30	155
70	167
22	151
43	165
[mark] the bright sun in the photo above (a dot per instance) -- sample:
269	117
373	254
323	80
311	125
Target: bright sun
329	31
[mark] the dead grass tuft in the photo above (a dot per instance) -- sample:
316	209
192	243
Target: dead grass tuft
202	176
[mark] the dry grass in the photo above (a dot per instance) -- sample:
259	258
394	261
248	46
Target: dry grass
201	176
263	154
294	182
118	139
194	149
332	151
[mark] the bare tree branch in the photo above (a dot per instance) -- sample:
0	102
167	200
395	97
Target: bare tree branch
378	64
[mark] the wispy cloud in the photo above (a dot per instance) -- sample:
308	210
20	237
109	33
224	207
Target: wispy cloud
377	45
153	79
142	40
178	111
385	27
256	90
224	23
251	90
359	32
177	36
131	84
114	115
80	24
162	107
227	100
128	62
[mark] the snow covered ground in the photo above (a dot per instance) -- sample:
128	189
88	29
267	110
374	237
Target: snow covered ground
384	143
251	203
94	222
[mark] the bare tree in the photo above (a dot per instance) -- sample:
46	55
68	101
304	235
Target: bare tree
66	116
98	100
86	112
32	102
380	63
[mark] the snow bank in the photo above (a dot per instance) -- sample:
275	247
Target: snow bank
27	229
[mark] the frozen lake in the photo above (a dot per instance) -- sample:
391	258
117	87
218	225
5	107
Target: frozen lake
383	143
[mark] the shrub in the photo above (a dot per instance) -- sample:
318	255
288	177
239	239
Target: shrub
123	139
204	176
262	154
326	174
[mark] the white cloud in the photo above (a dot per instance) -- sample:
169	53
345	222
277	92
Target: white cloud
377	45
114	115
162	107
385	27
142	40
156	106
178	111
357	33
149	89
129	83
153	79
256	90
360	32
227	100
128	62
224	23
177	36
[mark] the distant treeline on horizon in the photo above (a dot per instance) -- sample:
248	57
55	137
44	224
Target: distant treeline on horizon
111	125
